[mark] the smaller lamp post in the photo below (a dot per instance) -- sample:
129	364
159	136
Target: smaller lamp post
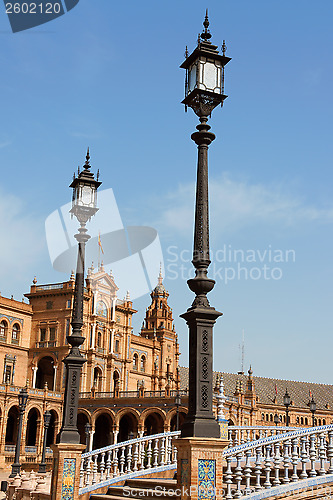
87	428
286	402
276	419
47	420
23	398
178	402
313	408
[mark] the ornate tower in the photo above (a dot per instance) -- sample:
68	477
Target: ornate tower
158	326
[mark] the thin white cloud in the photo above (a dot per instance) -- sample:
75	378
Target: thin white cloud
235	204
4	144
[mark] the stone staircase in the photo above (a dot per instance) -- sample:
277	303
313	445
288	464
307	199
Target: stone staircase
147	489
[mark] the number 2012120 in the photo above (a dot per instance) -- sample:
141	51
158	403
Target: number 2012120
33	8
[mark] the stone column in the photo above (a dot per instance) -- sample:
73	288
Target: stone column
66	470
54	377
200	468
34	369
91	438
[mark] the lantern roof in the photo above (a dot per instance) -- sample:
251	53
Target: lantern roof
86	175
206	48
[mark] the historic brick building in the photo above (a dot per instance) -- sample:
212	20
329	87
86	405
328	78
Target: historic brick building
129	381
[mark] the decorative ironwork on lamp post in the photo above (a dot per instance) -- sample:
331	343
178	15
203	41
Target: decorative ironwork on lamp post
313	408
287	402
178	402
204	90
23	398
84	206
47	420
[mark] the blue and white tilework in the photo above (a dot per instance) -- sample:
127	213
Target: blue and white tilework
206	479
67	491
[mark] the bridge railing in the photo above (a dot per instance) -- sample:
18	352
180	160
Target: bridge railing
132	458
238	434
273	462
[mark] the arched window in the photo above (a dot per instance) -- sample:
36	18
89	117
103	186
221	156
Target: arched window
319	421
143	364
306	420
324	421
315	421
271	417
297	420
267	417
135	361
284	419
3	330
302	421
99	339
15	333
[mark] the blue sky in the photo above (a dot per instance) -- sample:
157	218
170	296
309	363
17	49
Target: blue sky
106	75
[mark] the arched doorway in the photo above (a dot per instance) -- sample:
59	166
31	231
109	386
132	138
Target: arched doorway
50	438
128	427
12	425
98	379
32	425
45	373
82	420
173	422
103	431
116	379
153	424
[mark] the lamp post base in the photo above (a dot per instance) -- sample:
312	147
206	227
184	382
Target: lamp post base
66	470
16	469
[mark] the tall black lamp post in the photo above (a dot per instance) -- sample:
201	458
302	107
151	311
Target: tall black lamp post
313	408
178	402
276	419
204	90
87	428
84	206
286	402
47	420
23	398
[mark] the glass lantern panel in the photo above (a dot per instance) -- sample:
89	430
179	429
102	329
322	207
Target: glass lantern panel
210	76
192	78
87	196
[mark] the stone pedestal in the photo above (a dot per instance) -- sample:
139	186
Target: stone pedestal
66	471
200	468
223	423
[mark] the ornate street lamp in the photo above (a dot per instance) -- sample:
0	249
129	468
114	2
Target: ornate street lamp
178	402
276	419
47	420
287	402
84	206
23	398
87	428
204	90
313	408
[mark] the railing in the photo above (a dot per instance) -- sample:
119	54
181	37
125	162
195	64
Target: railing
132	394
56	286
121	461
243	434
275	463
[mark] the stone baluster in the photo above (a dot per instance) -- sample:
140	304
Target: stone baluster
162	452
149	454
261	434
257	470
129	458
247	472
94	469
238	476
304	457
268	466
248	435
115	462
330	452
102	466
313	455
169	450
142	455
286	461
108	465
82	473
122	460
135	457
88	470
277	461
174	454
228	479
294	459
242	439
155	453
322	454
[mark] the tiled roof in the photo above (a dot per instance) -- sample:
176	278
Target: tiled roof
265	389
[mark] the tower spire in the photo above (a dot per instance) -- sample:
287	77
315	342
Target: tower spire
205	35
160	277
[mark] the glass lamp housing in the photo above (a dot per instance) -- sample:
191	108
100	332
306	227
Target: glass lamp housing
47	418
205	74
286	399
23	398
84	195
84	201
313	406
